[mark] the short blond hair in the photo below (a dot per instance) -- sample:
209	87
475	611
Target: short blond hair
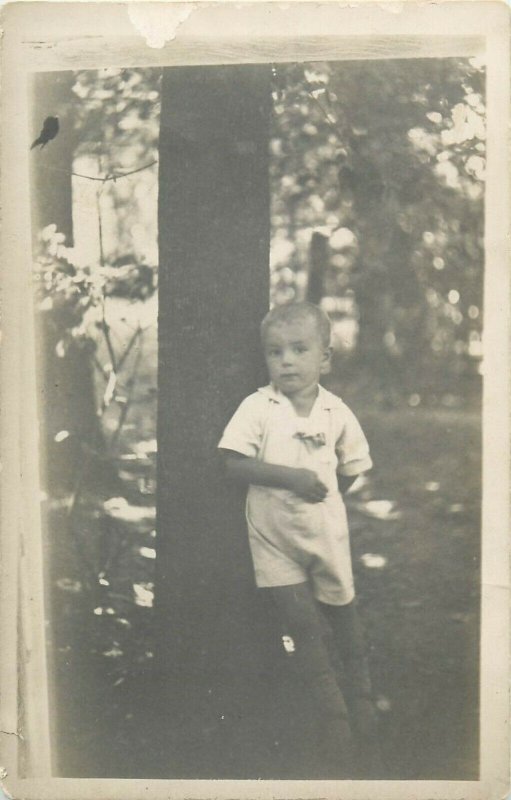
292	312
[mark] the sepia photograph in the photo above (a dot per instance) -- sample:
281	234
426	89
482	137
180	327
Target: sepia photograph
255	437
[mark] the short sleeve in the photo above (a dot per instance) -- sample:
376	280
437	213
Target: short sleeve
352	448
244	432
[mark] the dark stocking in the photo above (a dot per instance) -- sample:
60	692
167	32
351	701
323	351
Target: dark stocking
301	618
349	641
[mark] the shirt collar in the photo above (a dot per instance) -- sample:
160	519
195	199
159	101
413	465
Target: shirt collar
325	399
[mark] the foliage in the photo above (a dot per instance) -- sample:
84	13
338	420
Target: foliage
117	109
74	295
385	162
98	314
116	114
377	172
80	319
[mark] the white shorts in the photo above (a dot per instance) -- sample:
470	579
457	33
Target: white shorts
293	541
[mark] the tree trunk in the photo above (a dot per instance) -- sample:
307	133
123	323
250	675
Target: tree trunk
318	255
214	290
66	388
51	165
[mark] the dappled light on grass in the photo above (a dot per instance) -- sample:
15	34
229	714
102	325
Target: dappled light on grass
119	508
373	561
69	585
100	611
144	594
113	652
147	552
384	510
383	704
143	449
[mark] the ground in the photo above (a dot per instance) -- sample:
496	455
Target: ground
415	538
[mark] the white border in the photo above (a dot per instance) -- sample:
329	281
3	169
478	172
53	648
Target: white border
67	36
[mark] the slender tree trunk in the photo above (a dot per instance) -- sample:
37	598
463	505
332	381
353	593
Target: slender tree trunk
318	257
51	165
66	390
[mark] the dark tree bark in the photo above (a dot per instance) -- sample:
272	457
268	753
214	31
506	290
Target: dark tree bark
318	267
214	290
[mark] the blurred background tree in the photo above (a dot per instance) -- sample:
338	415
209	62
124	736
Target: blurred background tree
377	212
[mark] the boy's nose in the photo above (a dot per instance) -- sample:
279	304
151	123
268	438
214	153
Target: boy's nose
287	358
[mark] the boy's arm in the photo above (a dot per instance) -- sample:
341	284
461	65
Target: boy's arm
352	452
345	482
304	482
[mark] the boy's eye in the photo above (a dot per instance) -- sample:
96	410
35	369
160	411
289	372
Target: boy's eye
300	348
273	353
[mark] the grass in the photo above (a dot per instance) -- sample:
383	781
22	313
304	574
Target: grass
421	612
419	600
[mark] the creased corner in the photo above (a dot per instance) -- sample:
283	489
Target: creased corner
3	791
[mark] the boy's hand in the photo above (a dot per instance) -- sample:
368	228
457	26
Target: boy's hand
307	485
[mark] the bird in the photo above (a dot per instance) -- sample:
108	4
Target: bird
49	131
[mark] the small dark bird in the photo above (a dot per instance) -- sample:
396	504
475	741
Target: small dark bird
49	131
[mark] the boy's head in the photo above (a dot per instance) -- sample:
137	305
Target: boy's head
296	343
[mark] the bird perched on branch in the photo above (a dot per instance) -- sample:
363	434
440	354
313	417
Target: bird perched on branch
49	131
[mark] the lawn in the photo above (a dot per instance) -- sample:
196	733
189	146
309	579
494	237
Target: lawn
415	537
422	608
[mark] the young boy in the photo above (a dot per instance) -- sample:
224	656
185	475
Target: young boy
298	448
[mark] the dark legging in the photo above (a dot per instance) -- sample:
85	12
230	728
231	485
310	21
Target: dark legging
305	620
349	641
302	620
300	615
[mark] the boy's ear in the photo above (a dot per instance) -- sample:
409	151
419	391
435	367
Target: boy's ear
326	361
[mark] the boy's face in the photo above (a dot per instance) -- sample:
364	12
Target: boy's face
295	355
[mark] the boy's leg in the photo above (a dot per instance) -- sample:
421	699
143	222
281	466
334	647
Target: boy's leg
349	641
299	613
